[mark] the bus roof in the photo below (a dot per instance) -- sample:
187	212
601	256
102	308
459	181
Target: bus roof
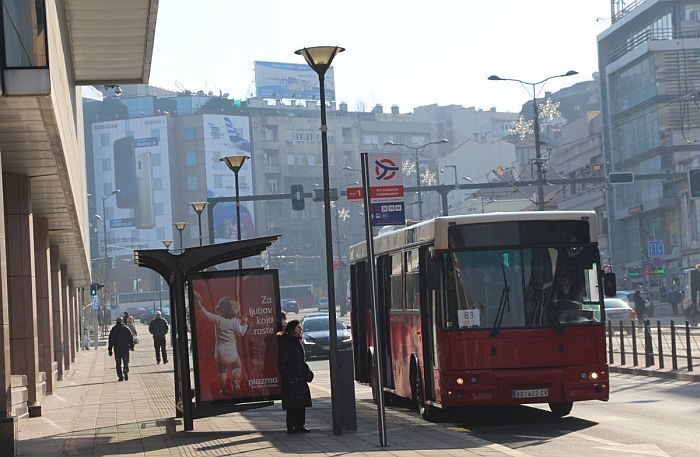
435	230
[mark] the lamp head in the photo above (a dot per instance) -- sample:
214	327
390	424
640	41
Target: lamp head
444	140
390	143
494	78
167	243
198	207
234	163
319	58
180	226
571	73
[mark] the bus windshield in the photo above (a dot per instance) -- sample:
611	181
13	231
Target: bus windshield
533	287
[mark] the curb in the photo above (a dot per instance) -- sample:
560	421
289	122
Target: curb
656	374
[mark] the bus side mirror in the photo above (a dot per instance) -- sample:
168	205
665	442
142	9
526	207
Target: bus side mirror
609	284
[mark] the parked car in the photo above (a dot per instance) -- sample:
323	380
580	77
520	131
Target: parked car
290	306
148	316
136	311
316	336
323	304
618	310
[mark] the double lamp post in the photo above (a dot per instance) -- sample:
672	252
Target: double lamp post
538	155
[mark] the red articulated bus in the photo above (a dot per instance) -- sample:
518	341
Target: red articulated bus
492	309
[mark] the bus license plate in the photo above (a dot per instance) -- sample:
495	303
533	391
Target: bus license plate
531	393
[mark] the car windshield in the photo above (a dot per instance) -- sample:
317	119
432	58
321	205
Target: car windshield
516	288
320	325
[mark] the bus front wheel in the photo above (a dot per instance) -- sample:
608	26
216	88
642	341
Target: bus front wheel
561	409
426	411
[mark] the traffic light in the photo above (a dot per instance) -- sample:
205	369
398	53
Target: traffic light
94	287
694	182
297	197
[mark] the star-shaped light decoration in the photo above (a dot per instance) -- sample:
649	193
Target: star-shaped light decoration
408	167
428	177
549	110
343	214
521	127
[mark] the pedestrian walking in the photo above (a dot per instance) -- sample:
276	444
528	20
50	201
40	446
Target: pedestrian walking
86	340
294	374
121	341
159	328
639	304
132	327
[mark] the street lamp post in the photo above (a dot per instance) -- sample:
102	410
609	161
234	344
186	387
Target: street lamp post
167	244
180	226
198	208
538	154
319	59
104	226
234	163
418	150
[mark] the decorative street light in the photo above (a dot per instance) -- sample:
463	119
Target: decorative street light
180	226
234	163
418	150
319	59
198	208
538	156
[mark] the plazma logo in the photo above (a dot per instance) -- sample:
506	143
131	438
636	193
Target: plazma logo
385	169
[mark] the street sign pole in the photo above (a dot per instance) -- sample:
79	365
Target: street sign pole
378	347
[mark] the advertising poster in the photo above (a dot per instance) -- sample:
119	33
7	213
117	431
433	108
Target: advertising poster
291	80
226	135
132	155
235	316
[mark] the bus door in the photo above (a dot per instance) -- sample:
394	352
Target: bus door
360	324
384	307
428	304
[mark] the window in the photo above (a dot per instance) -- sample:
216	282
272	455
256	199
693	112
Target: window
311	159
395	280
189	133
191	158
24	39
106	164
272	185
291	159
192	182
157	184
158	210
371	140
104	140
156	160
347	135
270	133
412	280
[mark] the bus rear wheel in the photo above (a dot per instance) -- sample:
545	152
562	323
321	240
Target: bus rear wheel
426	411
561	409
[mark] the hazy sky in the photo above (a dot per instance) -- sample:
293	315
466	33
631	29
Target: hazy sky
405	53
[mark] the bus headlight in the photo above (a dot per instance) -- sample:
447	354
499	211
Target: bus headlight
460	381
593	376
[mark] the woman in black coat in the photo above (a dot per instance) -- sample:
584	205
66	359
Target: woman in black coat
294	374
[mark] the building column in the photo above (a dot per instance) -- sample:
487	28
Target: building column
72	305
42	264
57	308
8	423
65	318
24	343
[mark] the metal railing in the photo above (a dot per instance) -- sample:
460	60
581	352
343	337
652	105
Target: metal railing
655	345
653	34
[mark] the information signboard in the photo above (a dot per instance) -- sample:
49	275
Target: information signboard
386	189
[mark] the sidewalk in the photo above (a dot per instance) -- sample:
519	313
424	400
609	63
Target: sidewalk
91	414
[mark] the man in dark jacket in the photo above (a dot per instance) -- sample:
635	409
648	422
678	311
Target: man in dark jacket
159	328
121	341
294	374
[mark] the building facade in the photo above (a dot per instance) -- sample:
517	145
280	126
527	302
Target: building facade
649	62
44	239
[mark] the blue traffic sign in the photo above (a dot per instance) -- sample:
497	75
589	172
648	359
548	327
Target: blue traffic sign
656	248
95	303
